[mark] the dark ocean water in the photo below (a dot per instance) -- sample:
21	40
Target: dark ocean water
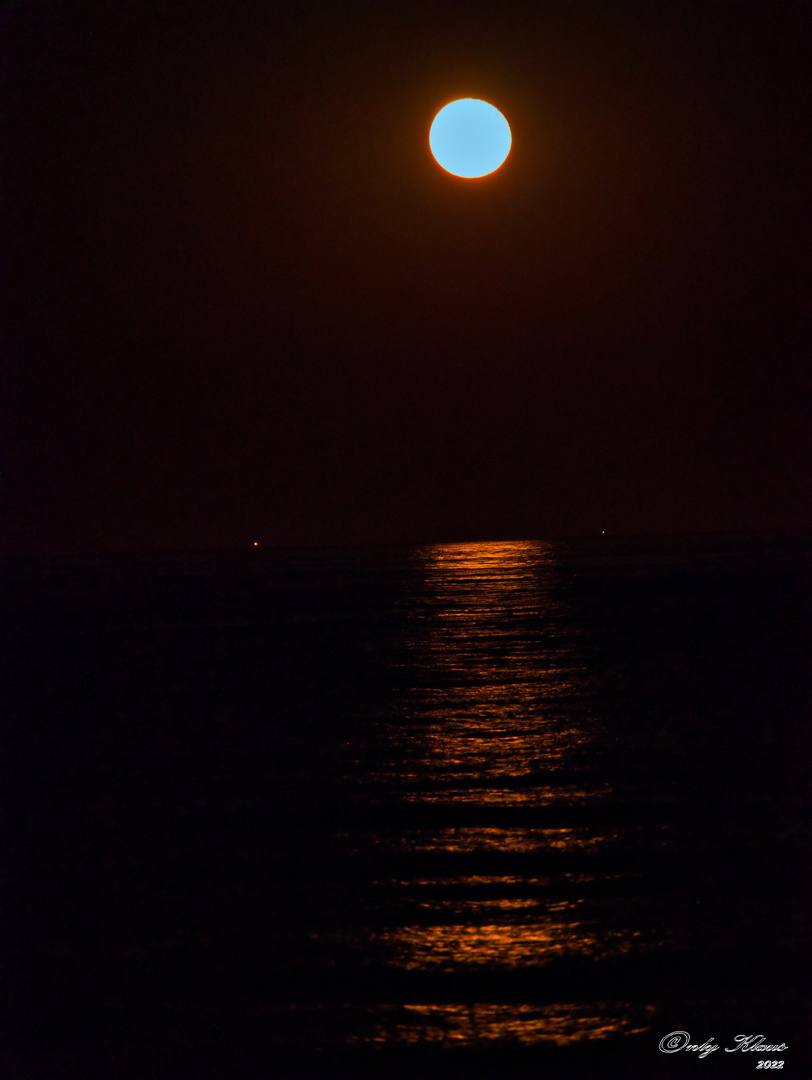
494	809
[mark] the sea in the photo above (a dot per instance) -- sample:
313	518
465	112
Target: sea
499	809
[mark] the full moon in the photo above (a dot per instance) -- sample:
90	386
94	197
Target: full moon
469	138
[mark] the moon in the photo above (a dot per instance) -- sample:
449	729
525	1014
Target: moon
469	138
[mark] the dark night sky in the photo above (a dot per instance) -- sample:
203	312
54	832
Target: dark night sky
246	304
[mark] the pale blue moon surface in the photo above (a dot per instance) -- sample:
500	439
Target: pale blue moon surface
469	138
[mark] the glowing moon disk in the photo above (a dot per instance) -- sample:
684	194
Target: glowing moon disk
469	138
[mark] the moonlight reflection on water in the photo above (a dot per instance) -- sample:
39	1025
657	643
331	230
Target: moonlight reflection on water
493	718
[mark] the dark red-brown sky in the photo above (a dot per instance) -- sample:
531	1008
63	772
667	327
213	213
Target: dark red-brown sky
245	303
